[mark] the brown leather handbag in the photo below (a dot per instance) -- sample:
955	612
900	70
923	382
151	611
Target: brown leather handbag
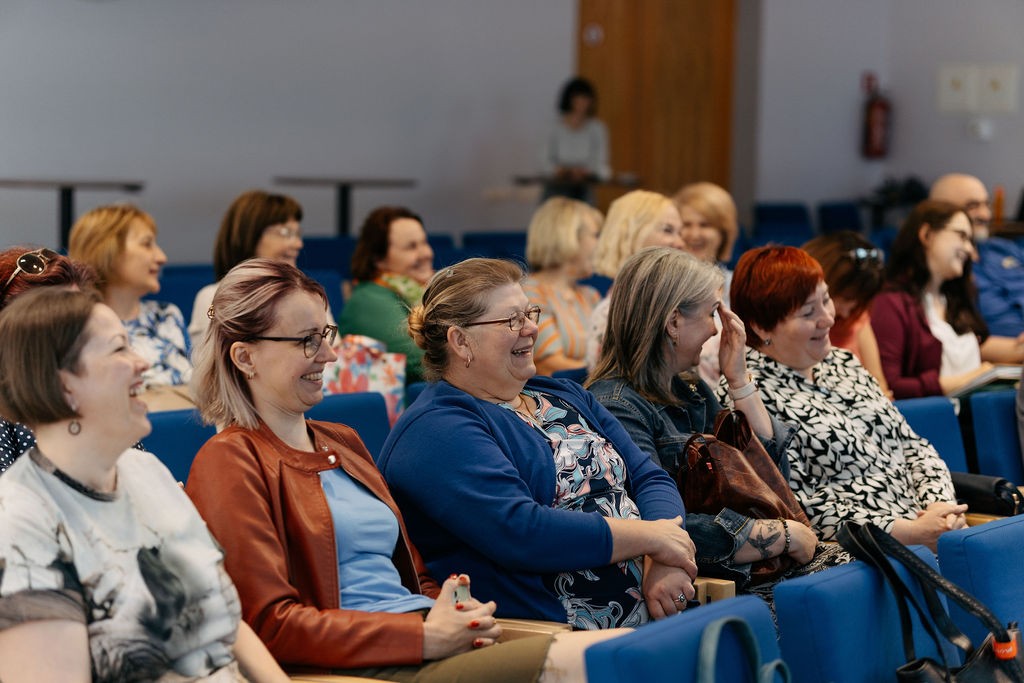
733	470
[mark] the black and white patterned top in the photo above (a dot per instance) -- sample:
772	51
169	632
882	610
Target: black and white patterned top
15	439
854	457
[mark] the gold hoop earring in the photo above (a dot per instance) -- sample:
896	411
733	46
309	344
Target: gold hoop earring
469	360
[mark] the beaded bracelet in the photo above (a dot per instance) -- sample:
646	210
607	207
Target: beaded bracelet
744	391
789	537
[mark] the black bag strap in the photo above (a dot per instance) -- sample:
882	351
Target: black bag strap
708	653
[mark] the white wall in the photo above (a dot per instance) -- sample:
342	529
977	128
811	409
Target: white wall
203	99
805	125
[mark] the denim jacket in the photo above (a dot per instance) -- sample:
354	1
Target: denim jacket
662	431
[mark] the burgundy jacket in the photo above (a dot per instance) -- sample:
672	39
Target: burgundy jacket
264	503
911	355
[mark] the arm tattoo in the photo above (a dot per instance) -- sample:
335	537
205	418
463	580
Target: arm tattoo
769	531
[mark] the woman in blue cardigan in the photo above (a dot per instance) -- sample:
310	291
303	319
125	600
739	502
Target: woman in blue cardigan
526	483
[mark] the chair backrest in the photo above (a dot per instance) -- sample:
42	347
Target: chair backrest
449	256
440	241
840	215
792	213
176	438
666	650
985	560
511	245
331	253
366	412
578	375
786	234
179	285
842	624
934	418
331	282
602	283
994	418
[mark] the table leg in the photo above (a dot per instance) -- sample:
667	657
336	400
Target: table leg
343	207
66	208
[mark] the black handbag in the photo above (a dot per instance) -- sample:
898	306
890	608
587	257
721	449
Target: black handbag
762	672
999	658
988	495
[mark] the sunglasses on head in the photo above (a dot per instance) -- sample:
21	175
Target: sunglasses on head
864	254
31	263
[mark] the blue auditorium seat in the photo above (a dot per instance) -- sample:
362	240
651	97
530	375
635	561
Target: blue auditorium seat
330	280
364	412
790	213
180	283
440	241
839	215
331	253
176	438
666	650
934	418
508	245
994	418
986	560
842	624
601	283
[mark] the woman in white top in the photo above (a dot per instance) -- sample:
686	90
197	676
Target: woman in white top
576	150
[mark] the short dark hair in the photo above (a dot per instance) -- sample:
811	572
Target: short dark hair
769	283
42	332
574	87
373	240
59	272
242	227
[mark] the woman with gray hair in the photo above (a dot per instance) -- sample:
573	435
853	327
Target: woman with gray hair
646	347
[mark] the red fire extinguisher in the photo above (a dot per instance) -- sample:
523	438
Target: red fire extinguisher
877	116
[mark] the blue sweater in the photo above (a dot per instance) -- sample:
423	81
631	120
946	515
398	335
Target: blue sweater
475	485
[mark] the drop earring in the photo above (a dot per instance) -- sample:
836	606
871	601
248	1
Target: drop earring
74	428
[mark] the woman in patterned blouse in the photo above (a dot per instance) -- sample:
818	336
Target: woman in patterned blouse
119	242
560	248
855	458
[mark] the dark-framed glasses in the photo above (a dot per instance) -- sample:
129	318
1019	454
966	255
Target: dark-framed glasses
31	263
873	254
311	343
515	322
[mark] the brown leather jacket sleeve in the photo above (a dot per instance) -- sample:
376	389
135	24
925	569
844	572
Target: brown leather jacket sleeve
281	557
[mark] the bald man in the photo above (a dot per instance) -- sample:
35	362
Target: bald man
999	273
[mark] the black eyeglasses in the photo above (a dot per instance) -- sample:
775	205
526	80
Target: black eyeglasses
310	343
515	322
32	263
865	254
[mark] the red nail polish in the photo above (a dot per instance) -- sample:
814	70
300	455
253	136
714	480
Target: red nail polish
459	606
478	643
474	624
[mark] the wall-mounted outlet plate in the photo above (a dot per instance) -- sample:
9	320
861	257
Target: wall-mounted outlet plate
997	88
957	88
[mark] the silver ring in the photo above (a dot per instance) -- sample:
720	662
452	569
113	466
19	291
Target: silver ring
681	598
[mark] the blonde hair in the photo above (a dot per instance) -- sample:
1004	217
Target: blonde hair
98	237
245	306
630	219
652	284
455	295
554	233
715	204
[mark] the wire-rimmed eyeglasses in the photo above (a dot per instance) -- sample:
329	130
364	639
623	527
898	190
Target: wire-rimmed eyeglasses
31	263
310	343
515	322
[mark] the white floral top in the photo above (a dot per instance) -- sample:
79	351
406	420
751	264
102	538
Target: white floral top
158	335
854	457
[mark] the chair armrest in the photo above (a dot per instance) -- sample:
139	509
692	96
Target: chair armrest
711	590
979	518
513	629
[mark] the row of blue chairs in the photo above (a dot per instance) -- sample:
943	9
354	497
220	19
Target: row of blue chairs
840	625
993	420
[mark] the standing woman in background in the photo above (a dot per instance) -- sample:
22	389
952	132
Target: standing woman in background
560	248
854	272
576	150
119	242
635	220
391	264
257	225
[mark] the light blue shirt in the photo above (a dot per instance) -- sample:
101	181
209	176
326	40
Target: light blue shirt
365	534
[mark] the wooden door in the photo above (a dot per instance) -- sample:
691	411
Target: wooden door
663	70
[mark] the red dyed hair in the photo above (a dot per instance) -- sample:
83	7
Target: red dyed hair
60	272
769	283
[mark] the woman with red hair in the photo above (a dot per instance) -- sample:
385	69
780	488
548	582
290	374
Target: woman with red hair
854	457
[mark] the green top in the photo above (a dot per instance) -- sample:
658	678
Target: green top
378	312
